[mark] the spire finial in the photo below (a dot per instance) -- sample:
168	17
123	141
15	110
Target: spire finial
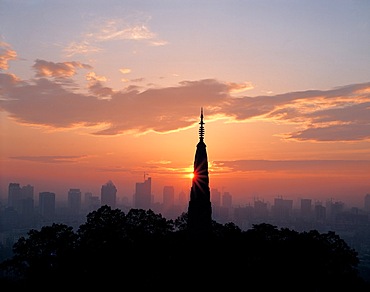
201	128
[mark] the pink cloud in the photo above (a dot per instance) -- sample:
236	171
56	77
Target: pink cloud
339	114
61	70
6	54
239	87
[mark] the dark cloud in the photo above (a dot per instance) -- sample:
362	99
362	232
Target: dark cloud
50	159
99	90
350	132
340	114
137	80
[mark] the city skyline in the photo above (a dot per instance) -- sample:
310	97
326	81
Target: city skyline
111	90
178	198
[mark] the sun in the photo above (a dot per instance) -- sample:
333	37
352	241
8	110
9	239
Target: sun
191	175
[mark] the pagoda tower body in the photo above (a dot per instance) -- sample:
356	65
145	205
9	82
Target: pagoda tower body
200	209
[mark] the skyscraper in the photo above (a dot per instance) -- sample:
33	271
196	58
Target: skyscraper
108	195
216	197
27	201
143	194
21	198
168	197
200	209
227	200
74	201
91	202
47	205
367	203
306	208
183	199
14	196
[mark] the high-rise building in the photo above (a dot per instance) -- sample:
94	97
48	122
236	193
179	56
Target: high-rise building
333	209
183	199
200	209
367	203
143	194
306	208
108	195
14	196
91	202
320	212
227	200
225	211
74	201
27	192
282	208
260	209
47	205
168	204
21	199
168	197
215	197
28	204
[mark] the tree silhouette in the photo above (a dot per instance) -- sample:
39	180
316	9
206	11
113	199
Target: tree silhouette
44	254
146	251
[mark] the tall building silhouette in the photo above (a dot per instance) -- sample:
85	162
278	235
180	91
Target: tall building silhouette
227	200
14	196
47	205
183	199
168	197
168	205
143	194
367	202
21	199
28	203
108	194
74	201
200	209
306	208
91	202
216	197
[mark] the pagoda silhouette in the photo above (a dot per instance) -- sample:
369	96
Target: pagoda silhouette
200	209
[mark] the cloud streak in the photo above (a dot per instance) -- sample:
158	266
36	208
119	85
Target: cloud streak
50	159
113	30
314	167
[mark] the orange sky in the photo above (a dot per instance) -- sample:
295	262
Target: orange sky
112	91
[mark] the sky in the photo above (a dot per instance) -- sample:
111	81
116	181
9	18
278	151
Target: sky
96	91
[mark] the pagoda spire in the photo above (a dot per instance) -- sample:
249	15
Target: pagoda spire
201	128
200	210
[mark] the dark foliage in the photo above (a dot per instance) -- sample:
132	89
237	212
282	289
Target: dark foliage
143	250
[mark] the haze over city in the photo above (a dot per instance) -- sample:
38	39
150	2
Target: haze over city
97	91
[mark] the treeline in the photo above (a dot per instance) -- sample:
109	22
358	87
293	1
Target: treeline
143	250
